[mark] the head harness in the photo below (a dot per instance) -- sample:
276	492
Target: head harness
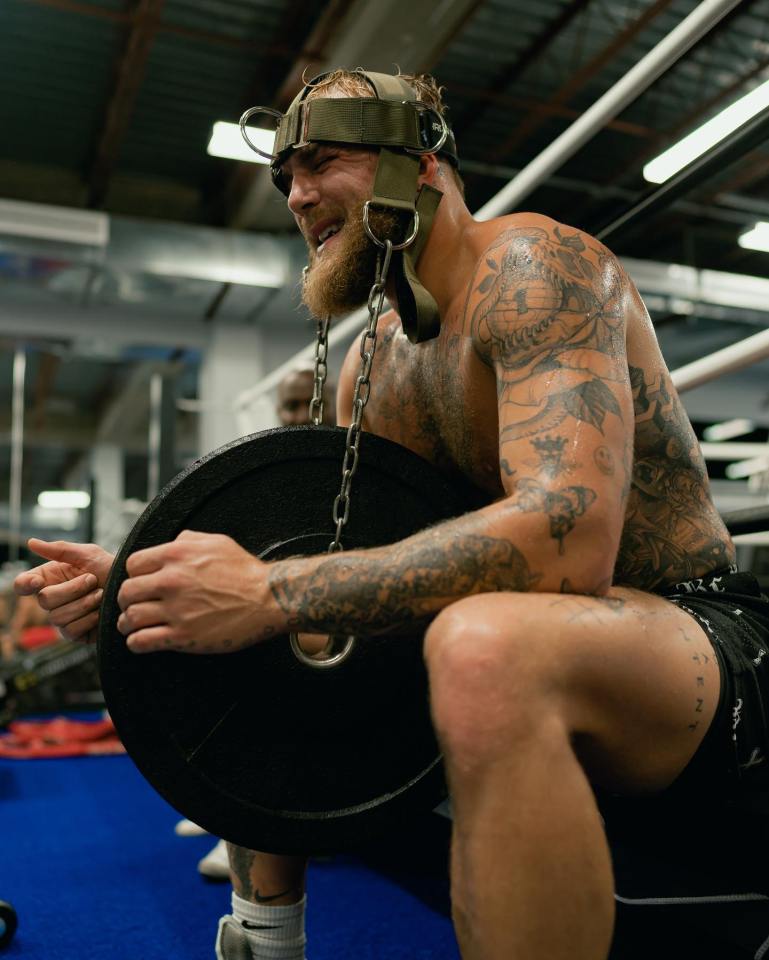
404	128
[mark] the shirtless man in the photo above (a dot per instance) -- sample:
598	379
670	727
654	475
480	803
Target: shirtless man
553	656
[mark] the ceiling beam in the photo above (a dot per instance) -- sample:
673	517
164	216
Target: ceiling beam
189	33
128	80
507	76
498	97
536	118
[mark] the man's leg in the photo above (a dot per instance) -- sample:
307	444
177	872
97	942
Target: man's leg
266	877
267	920
534	696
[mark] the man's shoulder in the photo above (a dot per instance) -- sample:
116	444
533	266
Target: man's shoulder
539	237
536	225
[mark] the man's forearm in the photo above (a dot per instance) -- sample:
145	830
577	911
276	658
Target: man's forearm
389	588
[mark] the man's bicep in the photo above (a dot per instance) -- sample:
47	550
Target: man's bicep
583	433
565	451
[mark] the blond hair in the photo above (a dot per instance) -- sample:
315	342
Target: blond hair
353	83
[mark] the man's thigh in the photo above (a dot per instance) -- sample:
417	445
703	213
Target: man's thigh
649	687
636	677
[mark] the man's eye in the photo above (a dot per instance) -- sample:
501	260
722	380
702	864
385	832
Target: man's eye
322	161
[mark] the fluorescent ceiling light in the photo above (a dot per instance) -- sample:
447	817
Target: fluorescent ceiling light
757	238
728	429
227	141
64	498
708	135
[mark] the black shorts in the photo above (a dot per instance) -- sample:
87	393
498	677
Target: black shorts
698	838
733	758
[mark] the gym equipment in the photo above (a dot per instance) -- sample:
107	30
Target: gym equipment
267	748
62	676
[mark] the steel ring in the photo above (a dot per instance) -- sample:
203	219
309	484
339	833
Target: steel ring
333	658
244	132
380	243
444	129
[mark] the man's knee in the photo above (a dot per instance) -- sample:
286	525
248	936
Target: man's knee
490	684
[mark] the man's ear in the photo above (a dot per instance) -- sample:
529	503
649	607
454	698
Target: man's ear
428	168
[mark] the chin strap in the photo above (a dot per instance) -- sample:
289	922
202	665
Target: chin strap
395	188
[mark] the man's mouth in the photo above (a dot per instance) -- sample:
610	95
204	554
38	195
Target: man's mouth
326	235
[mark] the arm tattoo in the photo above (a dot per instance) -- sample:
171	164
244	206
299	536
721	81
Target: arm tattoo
404	583
562	507
604	460
553	460
551	322
672	530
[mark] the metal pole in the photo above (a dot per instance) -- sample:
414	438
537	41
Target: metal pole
17	453
734	357
705	16
161	461
732	450
153	442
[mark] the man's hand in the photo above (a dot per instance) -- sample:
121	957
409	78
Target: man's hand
201	593
69	586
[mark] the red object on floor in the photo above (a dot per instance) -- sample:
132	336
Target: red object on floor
33	637
60	737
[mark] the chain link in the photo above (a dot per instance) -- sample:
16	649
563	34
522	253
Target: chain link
321	370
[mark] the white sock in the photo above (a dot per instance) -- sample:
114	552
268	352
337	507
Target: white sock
272	932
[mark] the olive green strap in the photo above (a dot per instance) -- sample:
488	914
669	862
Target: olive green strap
363	120
418	310
389	87
395	183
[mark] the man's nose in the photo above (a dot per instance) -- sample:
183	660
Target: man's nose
303	194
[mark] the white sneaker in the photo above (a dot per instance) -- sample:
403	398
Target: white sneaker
186	828
216	864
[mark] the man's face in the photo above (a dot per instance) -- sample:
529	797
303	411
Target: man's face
294	396
328	186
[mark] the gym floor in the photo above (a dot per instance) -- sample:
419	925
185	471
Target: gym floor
93	869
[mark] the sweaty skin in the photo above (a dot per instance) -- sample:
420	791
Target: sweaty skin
577	358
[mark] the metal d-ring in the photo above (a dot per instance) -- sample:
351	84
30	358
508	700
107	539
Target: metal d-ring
243	129
327	661
434	148
380	243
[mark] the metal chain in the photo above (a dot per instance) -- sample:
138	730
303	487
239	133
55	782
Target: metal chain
341	508
321	370
338	648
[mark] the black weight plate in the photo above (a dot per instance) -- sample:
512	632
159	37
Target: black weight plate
255	746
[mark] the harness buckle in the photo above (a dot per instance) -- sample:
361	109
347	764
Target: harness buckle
381	243
251	112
